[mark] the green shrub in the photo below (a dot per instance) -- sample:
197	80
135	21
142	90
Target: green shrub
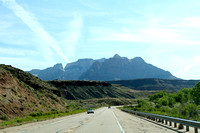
34	114
4	117
190	110
142	103
184	104
165	109
176	109
196	93
157	96
163	101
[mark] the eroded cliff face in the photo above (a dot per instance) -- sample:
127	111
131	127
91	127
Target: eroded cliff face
19	99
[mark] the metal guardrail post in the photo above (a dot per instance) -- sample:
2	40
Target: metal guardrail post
187	128
175	125
165	119
170	123
180	126
195	130
165	122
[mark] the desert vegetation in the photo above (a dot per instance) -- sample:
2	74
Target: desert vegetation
183	104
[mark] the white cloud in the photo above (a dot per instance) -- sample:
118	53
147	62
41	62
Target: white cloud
34	25
193	22
10	34
161	36
72	34
106	34
89	4
195	62
4	25
17	52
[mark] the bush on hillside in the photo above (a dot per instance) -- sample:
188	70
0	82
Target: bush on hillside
196	93
184	103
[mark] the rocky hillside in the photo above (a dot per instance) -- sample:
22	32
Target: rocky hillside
115	68
75	90
156	84
21	93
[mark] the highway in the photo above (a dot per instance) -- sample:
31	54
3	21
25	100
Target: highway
104	120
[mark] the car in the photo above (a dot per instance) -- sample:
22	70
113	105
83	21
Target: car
109	107
90	111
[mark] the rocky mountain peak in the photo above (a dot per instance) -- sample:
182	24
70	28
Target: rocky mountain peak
116	56
138	59
58	66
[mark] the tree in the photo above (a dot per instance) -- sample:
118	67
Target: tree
184	95
196	93
157	96
163	101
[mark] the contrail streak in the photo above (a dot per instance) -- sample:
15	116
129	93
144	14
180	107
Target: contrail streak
196	61
34	25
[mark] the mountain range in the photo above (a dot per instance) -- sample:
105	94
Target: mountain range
114	68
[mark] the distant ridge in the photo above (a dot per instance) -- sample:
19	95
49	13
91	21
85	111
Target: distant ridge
156	84
114	68
76	90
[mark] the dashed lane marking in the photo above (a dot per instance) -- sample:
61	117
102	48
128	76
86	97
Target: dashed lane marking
122	130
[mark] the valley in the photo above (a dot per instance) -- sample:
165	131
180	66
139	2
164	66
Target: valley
26	98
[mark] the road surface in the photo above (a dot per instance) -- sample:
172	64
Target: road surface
104	120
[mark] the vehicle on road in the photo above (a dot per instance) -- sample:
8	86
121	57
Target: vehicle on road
109	107
90	111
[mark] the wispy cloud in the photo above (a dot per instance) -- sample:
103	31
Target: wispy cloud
161	36
106	34
141	35
8	36
89	4
195	62
192	22
34	25
17	52
72	35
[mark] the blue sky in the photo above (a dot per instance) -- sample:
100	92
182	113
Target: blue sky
41	33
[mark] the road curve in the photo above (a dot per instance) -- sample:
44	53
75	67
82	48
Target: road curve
104	120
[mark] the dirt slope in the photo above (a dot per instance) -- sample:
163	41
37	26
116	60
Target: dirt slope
19	97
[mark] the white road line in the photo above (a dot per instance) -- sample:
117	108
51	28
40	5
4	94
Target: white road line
122	130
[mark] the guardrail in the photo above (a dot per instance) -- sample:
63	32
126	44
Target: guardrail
166	119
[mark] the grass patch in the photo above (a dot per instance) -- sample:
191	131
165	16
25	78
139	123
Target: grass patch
38	116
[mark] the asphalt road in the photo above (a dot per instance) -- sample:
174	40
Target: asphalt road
104	120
